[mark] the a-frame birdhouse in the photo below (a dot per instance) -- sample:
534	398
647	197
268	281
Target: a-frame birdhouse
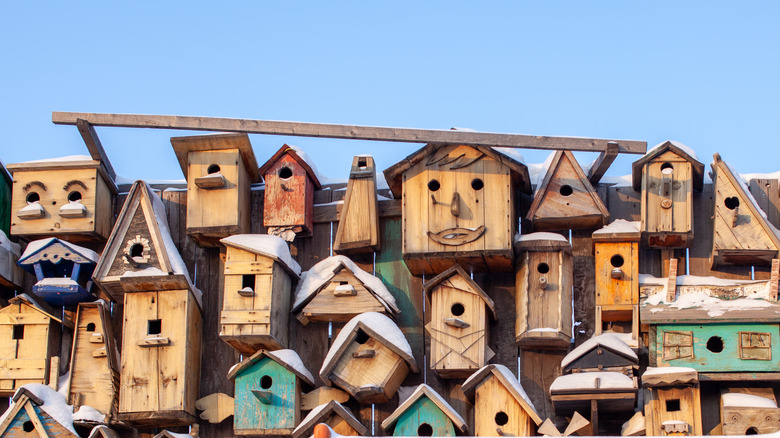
501	406
672	401
565	199
458	327
458	207
336	416
666	177
741	233
38	411
10	273
358	229
337	290
220	170
425	413
605	352
290	182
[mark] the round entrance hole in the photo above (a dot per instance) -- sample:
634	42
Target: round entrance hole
425	429
543	268
266	382
715	344
361	337
28	426
214	168
91	327
502	418
617	260
751	431
667	168
33	197
433	185
731	202
285	173
457	309
566	190
137	250
74	196
477	184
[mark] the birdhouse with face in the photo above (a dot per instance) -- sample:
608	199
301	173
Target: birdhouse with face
458	207
259	276
369	358
290	182
337	290
71	198
336	416
219	170
10	273
543	291
425	413
38	411
565	199
501	406
459	324
749	411
672	401
666	177
63	269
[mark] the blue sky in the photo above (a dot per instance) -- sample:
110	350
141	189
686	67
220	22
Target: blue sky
703	73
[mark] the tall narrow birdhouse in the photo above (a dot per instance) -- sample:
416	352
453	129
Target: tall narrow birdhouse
336	416
220	170
38	411
337	290
425	413
29	344
63	270
565	199
458	207
501	406
458	327
741	233
358	230
749	411
10	273
543	291
259	276
667	176
605	352
290	182
369	358
69	197
672	401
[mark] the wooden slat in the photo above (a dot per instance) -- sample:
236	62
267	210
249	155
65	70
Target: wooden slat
602	163
94	145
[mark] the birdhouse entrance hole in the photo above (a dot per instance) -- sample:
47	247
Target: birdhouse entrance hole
502	418
715	344
214	168
361	337
74	196
673	405
543	268
285	173
617	261
425	429
731	203
28	426
566	190
18	332
434	185
362	163
667	168
266	382
91	327
477	184
154	327
137	250
248	281
457	309
751	431
33	197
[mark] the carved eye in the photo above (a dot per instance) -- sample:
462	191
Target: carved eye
285	173
477	184
74	196
33	197
214	168
433	185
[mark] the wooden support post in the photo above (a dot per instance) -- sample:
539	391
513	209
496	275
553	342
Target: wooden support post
671	285
94	146
602	163
594	415
773	279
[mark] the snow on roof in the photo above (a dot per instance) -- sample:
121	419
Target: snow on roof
291	359
684	148
54	404
619	226
587	381
424	390
714	307
749	176
513	153
13	248
739	400
36	246
665	371
272	246
120	180
618	181
746	189
313	279
508	375
88	413
58	159
539	236
537	171
305	157
312	415
607	340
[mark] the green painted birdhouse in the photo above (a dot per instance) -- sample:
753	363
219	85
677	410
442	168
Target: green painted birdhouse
425	413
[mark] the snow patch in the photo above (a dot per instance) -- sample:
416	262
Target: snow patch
291	358
265	244
587	381
88	413
36	246
606	340
540	236
619	226
684	148
76	158
738	400
510	377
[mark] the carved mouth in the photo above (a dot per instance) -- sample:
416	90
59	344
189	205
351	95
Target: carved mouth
456	236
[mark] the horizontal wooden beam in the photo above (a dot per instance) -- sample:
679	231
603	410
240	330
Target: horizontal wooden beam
353	132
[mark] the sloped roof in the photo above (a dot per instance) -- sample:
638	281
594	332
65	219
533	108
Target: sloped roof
78	254
267	245
182	146
508	380
424	390
40	307
456	269
291	151
679	149
606	341
287	358
321	413
47	399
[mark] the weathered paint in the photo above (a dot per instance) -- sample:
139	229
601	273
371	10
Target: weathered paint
250	413
423	411
51	427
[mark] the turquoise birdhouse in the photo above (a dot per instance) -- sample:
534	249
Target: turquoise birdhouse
425	413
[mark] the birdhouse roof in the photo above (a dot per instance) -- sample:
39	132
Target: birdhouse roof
678	148
606	341
315	278
394	173
592	382
619	230
322	413
299	156
508	380
541	242
38	307
34	253
102	431
182	146
273	247
51	402
424	390
457	270
669	376
289	359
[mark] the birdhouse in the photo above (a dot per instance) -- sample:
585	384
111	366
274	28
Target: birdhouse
600	392
220	170
458	327
741	232
69	197
29	344
290	182
10	273
616	248
336	416
6	184
749	411
458	207
672	401
605	352
501	406
369	358
543	291
565	199
358	230
94	361
38	411
268	393
667	176
63	270
337	290
259	276
425	413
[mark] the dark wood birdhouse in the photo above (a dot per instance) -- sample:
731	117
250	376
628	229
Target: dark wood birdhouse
358	230
605	352
425	413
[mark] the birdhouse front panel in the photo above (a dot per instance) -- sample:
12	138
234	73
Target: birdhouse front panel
369	370
617	276
667	201
424	418
289	196
340	299
495	408
673	411
267	400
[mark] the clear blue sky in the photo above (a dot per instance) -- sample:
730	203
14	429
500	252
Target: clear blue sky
703	73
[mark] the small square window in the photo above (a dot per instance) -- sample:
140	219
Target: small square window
154	327
677	345
673	405
248	281
18	332
755	346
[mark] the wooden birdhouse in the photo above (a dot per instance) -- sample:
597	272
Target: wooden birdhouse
616	248
6	184
369	358
259	276
741	232
605	352
749	411
94	361
290	182
337	290
10	273
220	170
565	199
425	413
458	207
458	326
600	392
543	291
358	230
501	406
71	198
336	416
38	411
672	401
63	270
667	176
29	344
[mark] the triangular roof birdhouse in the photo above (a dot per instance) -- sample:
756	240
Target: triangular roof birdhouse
38	409
604	352
425	413
358	229
658	153
336	416
63	270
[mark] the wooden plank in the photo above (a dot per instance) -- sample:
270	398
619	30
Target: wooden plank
95	147
602	163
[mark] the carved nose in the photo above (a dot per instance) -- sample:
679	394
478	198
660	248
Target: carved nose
455	204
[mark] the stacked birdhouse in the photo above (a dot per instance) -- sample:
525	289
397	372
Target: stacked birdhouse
425	413
672	401
358	230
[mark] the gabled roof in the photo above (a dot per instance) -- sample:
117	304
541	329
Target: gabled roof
266	245
678	148
424	390
457	270
322	413
607	341
52	404
508	380
74	253
669	376
39	307
292	152
182	146
289	359
394	173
